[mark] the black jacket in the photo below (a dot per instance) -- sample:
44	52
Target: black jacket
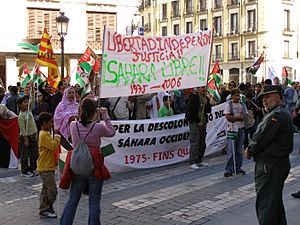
195	107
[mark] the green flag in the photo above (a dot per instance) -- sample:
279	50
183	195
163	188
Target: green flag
24	75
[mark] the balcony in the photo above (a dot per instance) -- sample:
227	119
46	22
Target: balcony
218	57
233	2
287	31
250	56
175	14
249	2
147	27
233	33
164	18
147	3
251	29
189	11
233	56
218	34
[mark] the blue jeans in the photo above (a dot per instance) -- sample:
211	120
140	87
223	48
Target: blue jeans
238	148
77	186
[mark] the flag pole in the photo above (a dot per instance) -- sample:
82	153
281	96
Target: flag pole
210	53
100	77
1	82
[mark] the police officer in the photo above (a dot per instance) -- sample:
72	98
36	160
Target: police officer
271	145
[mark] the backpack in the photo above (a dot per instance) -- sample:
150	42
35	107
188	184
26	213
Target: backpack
82	162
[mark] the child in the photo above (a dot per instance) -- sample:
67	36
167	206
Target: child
46	165
166	110
28	136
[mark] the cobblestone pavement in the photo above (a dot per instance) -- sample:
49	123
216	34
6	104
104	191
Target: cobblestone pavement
172	195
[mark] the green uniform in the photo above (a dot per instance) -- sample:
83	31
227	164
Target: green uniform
271	145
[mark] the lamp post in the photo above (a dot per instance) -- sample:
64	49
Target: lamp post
62	28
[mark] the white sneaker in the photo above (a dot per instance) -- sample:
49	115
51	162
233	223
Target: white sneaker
194	166
48	214
202	164
28	174
34	174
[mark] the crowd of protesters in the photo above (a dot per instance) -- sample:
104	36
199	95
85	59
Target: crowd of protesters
244	111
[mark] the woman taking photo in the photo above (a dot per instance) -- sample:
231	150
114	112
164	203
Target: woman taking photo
92	132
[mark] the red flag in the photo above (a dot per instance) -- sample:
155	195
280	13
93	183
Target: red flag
10	130
216	69
284	72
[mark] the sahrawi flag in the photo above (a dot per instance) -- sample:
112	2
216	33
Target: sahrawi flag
212	88
216	74
285	76
24	75
46	58
88	66
253	69
214	82
36	74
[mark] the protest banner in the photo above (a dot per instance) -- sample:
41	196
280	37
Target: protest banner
144	64
141	144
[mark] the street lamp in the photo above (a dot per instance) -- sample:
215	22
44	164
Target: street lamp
62	28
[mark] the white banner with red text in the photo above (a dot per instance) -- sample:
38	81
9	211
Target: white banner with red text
141	144
150	64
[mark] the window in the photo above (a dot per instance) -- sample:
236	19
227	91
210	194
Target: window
234	52
218	3
176	29
40	18
188	6
164	11
234	2
203	25
218	53
286	20
203	5
189	27
164	31
286	53
143	21
234	23
217	24
96	22
251	49
251	14
175	9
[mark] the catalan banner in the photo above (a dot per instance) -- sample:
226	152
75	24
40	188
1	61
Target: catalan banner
142	64
46	58
141	144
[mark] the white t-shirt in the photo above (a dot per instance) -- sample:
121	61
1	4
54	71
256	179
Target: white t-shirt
237	110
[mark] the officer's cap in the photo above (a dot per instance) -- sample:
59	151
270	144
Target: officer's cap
269	89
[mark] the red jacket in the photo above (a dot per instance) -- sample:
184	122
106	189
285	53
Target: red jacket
100	172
